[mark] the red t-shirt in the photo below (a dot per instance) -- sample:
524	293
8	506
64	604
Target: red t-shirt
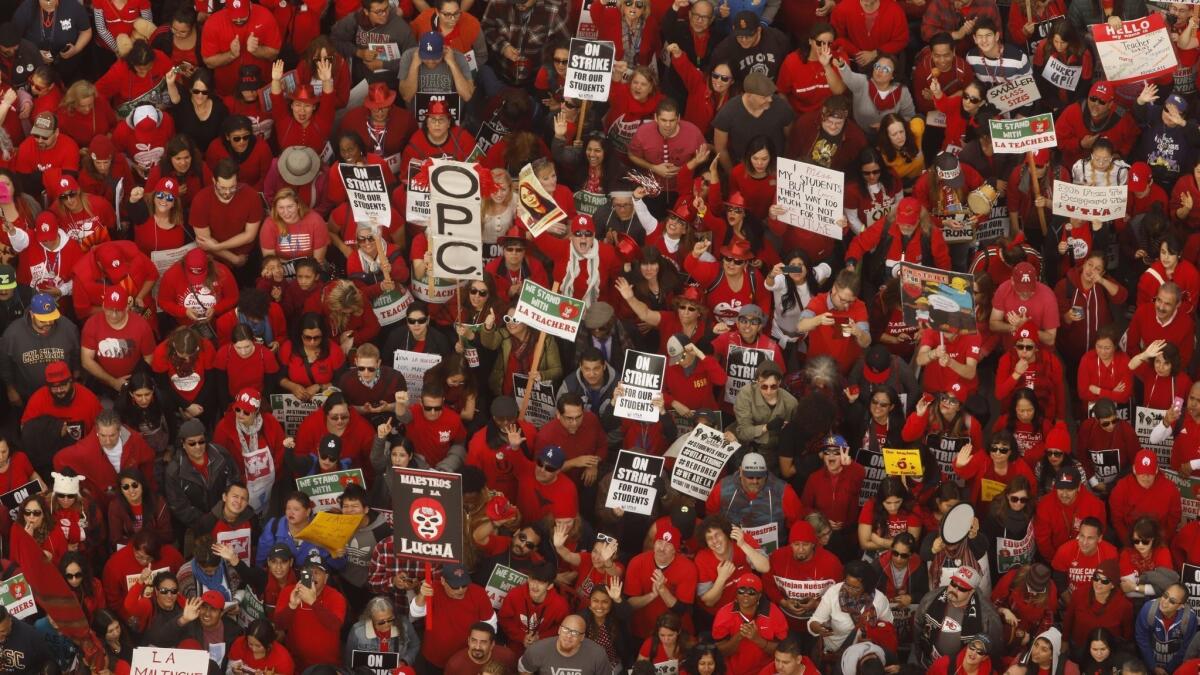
225	221
680	580
936	378
828	340
432	439
149	237
247	372
1079	567
118	351
322	370
749	657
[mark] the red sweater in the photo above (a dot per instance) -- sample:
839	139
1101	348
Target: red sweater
888	33
89	460
836	496
1145	328
1130	501
289	132
981	472
252	171
176	295
122	563
1186	276
694	390
1045	376
453	619
520	615
1091	436
312	630
1056	523
356	439
1107	377
1084	615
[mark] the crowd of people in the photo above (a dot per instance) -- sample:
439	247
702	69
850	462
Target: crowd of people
194	316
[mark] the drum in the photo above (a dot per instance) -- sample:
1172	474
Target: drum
982	199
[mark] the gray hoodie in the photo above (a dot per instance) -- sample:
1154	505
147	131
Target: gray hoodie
24	354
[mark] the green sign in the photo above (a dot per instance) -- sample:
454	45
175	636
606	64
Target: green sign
1022	135
325	488
502	580
547	311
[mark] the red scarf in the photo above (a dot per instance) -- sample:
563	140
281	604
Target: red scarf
884	101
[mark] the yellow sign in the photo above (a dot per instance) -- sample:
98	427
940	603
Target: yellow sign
330	531
989	489
902	462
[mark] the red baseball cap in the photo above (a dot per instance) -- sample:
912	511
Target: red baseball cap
1024	278
1103	91
109	260
1145	463
908	211
1140	176
248	400
46	227
57	371
195	265
116	297
750	580
239	10
671	535
583	223
1027	331
168	185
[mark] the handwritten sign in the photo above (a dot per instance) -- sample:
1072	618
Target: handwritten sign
413	366
811	196
163	661
330	530
1087	202
700	461
1062	75
1015	93
902	462
1136	50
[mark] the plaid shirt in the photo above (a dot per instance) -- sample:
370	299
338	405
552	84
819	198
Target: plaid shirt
385	565
943	16
504	25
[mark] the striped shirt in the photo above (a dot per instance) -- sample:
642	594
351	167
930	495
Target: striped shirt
1011	63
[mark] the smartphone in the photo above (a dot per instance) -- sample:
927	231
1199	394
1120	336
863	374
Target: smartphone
793	269
1177	404
306	578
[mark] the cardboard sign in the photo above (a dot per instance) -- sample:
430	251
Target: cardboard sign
16	595
390	307
1015	137
994	227
422	100
536	207
331	531
1139	49
291	411
700	461
239	540
428	508
1189	491
325	488
367	192
634	485
131	579
13	499
541	401
456	220
641	380
1144	421
589	70
439	293
502	580
811	196
934	298
380	663
1087	202
1019	91
902	462
741	363
416	198
413	366
1061	75
163	661
547	311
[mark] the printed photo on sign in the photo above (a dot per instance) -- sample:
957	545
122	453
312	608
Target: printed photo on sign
535	205
589	70
641	381
634	485
428	508
700	461
1087	202
811	196
935	298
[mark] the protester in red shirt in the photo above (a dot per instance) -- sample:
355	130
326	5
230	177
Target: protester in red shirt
226	216
1144	493
113	263
61	398
806	81
305	119
312	614
242	33
533	610
659	580
1163	320
115	341
457	605
749	628
1075	561
948	358
197	289
836	322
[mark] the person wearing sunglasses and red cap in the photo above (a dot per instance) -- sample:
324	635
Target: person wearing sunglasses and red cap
1082	123
659	580
587	265
86	218
1030	364
748	629
304	118
48	265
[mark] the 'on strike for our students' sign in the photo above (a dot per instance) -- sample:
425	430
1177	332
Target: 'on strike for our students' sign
811	195
634	485
700	461
1023	135
589	70
1137	49
1087	202
455	220
641	381
367	193
547	311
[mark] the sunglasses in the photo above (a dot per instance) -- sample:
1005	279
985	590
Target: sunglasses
583	233
69	576
1108	424
417	320
747	591
748	320
1055	453
561	62
338	418
1142	542
68	195
823	43
901	556
168	591
1097	101
1101	579
165	196
195	443
367	369
31	512
882	404
722	78
546	467
734	261
1000	449
481	292
689	308
876	172
640	4
508	318
1014	499
1022	347
514	249
961	588
312	338
200	92
432	408
972	99
241	138
768	387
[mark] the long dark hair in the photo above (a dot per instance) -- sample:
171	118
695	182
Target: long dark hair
691	663
909	150
869	155
132	414
100	623
1039	415
85	586
177	144
890	486
791	292
309	321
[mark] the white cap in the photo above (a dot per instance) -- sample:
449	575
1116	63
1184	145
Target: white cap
66	485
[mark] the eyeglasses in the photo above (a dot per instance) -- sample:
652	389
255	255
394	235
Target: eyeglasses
748	320
338	418
1142	542
1109	423
1173	601
432	408
31	512
417	320
978	649
481	292
451	15
900	555
241	138
747	591
1097	101
168	591
571	632
165	196
69	575
734	261
63	496
130	486
823	43
367	369
722	78
195	443
1000	449
951	402
700	17
972	99
768	387
199	92
1025	347
312	338
1101	579
882	404
546	467
1015	499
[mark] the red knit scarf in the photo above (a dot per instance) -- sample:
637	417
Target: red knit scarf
884	101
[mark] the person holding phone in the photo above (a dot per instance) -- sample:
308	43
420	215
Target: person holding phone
311	606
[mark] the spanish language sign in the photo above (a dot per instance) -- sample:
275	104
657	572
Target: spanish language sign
428	508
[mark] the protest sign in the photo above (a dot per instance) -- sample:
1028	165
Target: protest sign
490	133
1013	553
994	227
164	661
589	202
325	488
456	219
413	366
380	663
441	292
1087	202
385	51
330	530
239	540
502	580
741	363
1144	421
1042	29
1061	75
1189	492
1019	91
1138	49
586	28
428	508
589	70
422	100
944	449
700	461
535	205
1014	137
1189	576
634	485
12	499
367	193
871	459
811	196
934	298
902	462
390	306
541	400
291	411
131	579
163	260
416	198
17	597
641	381
553	313
1106	464
156	96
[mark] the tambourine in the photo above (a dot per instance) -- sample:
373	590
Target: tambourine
957	524
982	199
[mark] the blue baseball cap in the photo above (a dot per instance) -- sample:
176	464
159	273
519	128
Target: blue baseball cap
43	308
552	456
456	575
431	45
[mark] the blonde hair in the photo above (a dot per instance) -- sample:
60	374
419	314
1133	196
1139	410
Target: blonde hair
301	208
76	93
342	301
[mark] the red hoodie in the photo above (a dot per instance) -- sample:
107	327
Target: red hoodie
1130	501
942	665
176	294
1055	523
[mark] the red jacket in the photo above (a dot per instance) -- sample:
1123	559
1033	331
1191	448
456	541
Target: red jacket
1083	615
700	108
520	615
1055	523
79	414
1130	501
1186	446
1045	376
1186	277
1070	128
1091	436
1075	338
609	26
888	34
90	282
694	390
1107	378
1145	328
289	132
252	171
226	436
836	496
356	439
953	81
121	84
870	238
88	460
122	564
176	295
